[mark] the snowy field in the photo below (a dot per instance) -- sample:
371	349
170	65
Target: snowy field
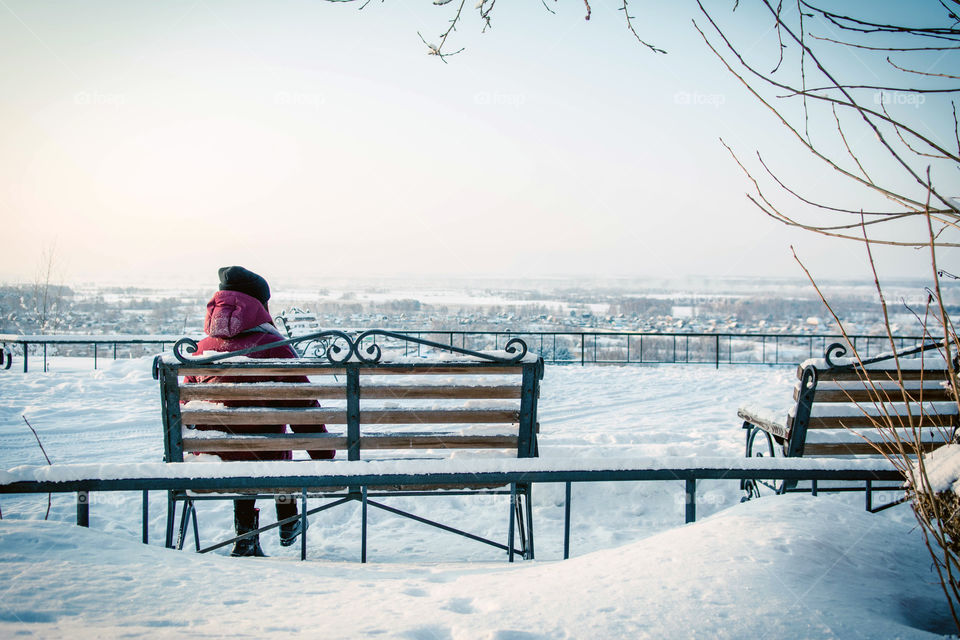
781	567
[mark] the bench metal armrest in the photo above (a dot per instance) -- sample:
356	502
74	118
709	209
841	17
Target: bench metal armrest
762	419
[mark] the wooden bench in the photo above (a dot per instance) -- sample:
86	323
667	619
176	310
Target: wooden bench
297	322
375	408
843	407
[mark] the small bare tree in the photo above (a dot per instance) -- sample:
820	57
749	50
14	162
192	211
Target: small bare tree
872	100
894	139
47	305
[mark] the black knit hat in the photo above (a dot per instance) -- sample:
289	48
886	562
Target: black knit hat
244	281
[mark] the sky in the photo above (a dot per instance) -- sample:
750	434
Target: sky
157	141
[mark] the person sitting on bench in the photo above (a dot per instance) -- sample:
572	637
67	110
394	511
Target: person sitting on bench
238	318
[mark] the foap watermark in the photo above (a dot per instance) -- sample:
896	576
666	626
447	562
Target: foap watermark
901	98
696	299
99	99
102	498
299	99
697	99
713	499
916	301
499	99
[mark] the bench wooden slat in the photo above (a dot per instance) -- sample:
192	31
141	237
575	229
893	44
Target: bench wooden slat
369	442
856	448
453	392
886	395
258	416
276	442
480	369
260	391
305	391
264	371
880	375
863	422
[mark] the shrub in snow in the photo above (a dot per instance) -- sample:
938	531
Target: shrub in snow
937	503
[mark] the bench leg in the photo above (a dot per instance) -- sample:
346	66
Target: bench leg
181	530
303	524
566	521
521	522
525	520
363	524
196	526
145	531
513	517
189	510
171	516
690	494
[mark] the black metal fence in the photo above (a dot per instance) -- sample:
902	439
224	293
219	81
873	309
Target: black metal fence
586	347
84	346
556	347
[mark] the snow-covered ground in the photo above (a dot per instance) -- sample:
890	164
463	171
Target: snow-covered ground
782	567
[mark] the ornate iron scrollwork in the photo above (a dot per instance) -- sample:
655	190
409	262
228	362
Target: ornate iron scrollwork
516	347
835	350
339	347
332	353
839	350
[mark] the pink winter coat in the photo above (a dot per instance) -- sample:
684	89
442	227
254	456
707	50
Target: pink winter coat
238	321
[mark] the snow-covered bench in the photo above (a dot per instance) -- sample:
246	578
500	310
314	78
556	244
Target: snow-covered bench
843	407
374	408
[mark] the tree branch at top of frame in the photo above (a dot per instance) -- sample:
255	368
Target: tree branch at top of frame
896	129
881	216
813	92
849	98
485	8
921	73
849	23
866	115
769	209
956	128
793	91
626	13
806	143
887	49
437	50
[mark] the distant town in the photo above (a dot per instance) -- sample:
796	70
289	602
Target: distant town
766	307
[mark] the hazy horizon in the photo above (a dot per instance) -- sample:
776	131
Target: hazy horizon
160	141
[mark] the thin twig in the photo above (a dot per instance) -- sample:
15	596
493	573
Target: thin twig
921	73
869	48
437	50
44	451
629	18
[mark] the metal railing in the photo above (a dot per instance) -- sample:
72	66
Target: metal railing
556	347
79	345
330	475
634	347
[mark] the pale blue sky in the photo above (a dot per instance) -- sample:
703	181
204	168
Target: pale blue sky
161	140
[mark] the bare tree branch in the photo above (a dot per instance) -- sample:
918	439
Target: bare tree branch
629	18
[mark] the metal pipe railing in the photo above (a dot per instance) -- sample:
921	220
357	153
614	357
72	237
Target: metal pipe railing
558	347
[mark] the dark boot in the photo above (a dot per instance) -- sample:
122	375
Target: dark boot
289	531
246	519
